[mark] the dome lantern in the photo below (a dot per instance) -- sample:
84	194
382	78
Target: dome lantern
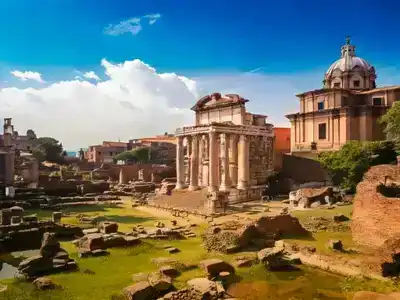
350	71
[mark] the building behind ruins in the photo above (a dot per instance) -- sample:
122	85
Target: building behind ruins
281	145
105	152
346	108
228	149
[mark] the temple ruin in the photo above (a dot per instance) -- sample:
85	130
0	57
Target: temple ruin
227	150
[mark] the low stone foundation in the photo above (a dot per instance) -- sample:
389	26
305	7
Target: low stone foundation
238	196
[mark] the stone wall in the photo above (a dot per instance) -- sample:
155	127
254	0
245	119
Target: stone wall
261	156
131	171
375	219
301	169
253	193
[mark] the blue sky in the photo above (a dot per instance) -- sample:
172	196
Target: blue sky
268	50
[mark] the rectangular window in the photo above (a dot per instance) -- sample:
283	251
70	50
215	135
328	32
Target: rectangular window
111	153
99	153
322	131
377	101
336	85
356	83
321	105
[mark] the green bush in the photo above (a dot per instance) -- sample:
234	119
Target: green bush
348	165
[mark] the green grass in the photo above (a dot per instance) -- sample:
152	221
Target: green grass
109	275
320	239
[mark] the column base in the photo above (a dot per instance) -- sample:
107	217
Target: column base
179	186
212	189
193	188
242	185
223	187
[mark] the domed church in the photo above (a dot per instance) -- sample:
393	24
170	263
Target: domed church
346	108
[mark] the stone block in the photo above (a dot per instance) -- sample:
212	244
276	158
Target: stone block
215	266
108	227
15	220
139	291
57	216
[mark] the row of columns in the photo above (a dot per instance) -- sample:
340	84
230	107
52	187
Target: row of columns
229	169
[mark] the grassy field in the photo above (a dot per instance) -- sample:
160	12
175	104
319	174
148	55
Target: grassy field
320	239
103	278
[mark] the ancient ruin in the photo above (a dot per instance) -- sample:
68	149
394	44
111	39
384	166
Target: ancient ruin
376	210
228	149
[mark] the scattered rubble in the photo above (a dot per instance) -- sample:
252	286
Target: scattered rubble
52	259
316	224
233	236
376	210
44	283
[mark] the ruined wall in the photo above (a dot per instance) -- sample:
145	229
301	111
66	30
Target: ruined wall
301	169
261	156
131	171
375	217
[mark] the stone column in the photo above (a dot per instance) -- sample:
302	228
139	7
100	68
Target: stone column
213	162
205	174
180	168
224	166
233	159
243	161
187	159
200	161
194	165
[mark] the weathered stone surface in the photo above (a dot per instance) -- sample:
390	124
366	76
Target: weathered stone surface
50	245
244	261
139	291
215	266
160	282
269	254
35	265
90	231
376	208
371	296
108	227
169	271
335	245
140	277
44	283
56	217
92	242
205	287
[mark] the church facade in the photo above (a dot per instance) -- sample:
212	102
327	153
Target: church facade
346	108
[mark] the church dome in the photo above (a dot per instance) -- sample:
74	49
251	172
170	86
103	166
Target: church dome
347	64
350	71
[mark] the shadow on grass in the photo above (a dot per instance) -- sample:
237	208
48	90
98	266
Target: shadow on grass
124	219
87	208
306	237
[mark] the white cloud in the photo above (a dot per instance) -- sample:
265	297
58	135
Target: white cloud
28	75
152	18
91	75
132	25
128	26
134	101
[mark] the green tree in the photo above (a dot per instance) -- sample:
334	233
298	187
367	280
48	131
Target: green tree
139	155
391	121
348	165
48	149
